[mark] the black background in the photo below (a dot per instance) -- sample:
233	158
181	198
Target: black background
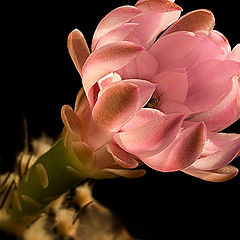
38	77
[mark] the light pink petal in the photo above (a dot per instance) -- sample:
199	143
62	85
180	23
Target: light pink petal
146	89
78	49
113	20
144	66
235	55
209	82
173	107
125	172
142	117
118	34
151	137
156	16
224	113
71	121
221	41
218	141
116	106
171	86
218	175
182	152
220	158
192	49
107	81
123	158
104	60
197	20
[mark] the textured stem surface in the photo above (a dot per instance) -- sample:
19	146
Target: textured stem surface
53	174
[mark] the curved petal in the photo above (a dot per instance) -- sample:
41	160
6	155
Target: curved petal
146	89
192	49
142	117
197	20
218	175
113	20
118	34
104	60
218	141
173	107
223	114
167	81
235	55
156	16
71	121
116	106
78	49
151	137
220	158
122	158
209	82
182	152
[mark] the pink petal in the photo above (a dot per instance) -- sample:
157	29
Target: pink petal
209	82
116	106
197	20
151	137
121	157
220	158
156	16
192	48
167	81
182	152
146	89
221	41
118	34
142	117
78	49
224	113
107	81
219	175
235	55
144	66
104	60
173	107
113	20
218	141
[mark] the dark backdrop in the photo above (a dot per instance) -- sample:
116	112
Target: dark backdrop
38	77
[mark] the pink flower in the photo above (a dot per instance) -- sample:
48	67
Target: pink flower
157	101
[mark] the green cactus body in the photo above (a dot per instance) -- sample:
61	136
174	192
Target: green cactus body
53	174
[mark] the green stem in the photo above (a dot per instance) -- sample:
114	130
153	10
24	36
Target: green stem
53	174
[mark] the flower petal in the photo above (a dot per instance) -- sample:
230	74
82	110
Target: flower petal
209	82
113	20
71	121
167	81
182	152
223	114
173	107
220	158
116	106
78	49
218	175
118	34
123	158
197	20
142	117
151	137
104	60
156	16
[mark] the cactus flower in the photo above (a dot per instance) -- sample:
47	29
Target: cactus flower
154	97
